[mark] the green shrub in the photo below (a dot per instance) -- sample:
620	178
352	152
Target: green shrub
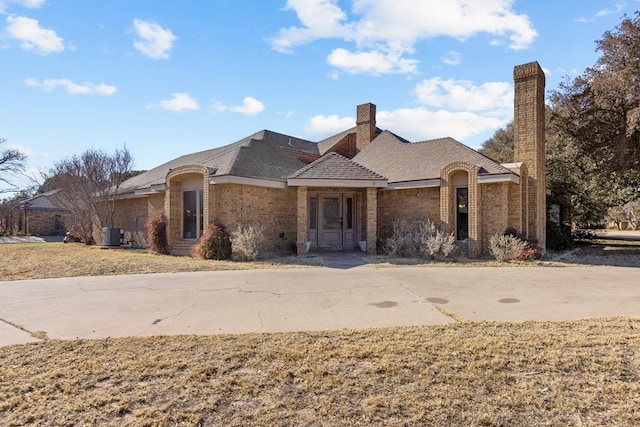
419	238
156	227
245	243
214	243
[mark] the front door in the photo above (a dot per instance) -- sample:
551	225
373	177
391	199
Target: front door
330	230
332	221
192	214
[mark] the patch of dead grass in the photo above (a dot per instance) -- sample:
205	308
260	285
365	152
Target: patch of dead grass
475	374
50	260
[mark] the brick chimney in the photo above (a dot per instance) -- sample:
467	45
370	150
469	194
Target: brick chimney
365	125
529	144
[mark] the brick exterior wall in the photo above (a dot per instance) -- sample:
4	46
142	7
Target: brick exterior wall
409	203
448	203
529	141
131	214
173	197
372	221
273	208
301	221
495	211
365	125
46	222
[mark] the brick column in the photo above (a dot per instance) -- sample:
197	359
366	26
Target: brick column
372	220
475	226
302	215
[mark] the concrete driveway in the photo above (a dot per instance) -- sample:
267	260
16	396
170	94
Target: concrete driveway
309	299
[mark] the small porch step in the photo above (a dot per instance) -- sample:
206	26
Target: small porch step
183	248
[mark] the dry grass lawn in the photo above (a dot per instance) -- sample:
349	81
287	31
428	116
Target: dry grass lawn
584	373
49	260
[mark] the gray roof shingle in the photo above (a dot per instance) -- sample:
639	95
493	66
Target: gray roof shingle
264	154
335	166
271	155
400	161
48	201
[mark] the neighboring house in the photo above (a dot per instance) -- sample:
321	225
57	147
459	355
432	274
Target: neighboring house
349	188
43	215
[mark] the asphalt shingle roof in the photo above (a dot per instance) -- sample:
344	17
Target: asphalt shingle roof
400	161
48	201
271	155
264	154
335	166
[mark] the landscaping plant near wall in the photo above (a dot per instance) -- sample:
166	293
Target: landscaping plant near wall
214	243
419	238
156	226
245	242
510	246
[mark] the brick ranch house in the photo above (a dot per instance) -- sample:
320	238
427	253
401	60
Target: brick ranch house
344	192
44	214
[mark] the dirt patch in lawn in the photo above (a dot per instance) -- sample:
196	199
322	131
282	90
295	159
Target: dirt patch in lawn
476	374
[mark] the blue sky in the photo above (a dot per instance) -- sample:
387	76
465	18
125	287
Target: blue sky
168	78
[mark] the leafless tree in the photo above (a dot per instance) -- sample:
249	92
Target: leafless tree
88	183
12	162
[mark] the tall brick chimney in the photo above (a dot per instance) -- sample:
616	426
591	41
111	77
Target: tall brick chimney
365	125
529	143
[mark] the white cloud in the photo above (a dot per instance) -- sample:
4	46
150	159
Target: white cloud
32	36
373	62
153	40
415	124
250	107
619	7
465	95
451	108
323	126
73	88
452	58
180	101
386	31
418	124
320	19
29	4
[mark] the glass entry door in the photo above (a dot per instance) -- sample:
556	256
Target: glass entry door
335	221
192	214
330	221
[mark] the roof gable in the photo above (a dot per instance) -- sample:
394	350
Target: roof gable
333	166
400	161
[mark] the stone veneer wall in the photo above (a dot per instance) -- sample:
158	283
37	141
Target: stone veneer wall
245	205
407	204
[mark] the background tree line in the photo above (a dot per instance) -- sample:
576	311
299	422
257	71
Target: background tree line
593	132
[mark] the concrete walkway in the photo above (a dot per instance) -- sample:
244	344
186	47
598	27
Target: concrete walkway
332	297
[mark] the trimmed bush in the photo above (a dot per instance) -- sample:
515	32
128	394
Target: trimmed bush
418	238
245	243
156	227
214	243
